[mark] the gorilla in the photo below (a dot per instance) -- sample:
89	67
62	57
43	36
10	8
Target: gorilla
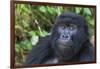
68	42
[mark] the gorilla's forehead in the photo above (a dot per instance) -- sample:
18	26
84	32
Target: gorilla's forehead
68	21
72	18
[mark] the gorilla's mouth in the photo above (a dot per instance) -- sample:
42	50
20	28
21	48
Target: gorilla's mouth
65	43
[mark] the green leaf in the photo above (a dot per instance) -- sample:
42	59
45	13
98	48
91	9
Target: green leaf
78	10
42	9
87	11
17	48
34	39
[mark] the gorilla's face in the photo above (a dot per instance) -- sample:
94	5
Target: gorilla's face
68	35
65	43
66	31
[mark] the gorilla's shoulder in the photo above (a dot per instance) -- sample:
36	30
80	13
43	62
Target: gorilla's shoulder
88	54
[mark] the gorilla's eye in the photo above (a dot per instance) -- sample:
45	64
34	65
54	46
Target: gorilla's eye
71	26
63	26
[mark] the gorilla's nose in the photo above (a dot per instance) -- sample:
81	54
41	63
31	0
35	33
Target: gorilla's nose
65	36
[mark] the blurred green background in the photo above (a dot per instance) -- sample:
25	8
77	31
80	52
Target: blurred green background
34	21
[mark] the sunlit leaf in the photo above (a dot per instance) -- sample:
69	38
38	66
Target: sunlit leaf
87	11
34	39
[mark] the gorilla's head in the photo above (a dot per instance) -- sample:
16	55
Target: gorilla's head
69	34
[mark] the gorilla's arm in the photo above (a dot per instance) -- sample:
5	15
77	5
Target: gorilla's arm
87	53
39	52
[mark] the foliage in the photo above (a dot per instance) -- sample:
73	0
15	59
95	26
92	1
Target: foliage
34	21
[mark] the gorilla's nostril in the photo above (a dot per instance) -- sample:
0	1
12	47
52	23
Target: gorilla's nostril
65	36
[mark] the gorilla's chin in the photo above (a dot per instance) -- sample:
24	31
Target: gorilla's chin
65	54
